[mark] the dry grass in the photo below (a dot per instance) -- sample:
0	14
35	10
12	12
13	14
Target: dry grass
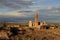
29	34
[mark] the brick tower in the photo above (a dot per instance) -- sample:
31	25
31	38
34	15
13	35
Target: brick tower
36	19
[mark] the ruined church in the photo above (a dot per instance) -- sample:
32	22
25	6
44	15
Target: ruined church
36	24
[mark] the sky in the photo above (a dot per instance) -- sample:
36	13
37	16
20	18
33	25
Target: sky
24	10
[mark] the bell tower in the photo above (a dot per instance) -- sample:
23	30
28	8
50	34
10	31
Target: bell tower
36	19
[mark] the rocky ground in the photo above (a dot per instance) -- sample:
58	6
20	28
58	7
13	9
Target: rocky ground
29	34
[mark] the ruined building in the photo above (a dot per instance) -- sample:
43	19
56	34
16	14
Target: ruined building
36	24
30	23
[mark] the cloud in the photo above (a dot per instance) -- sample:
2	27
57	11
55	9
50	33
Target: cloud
53	11
51	14
15	4
45	7
26	0
43	1
24	14
42	7
16	16
50	11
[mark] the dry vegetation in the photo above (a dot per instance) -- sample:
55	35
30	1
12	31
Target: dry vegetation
26	33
